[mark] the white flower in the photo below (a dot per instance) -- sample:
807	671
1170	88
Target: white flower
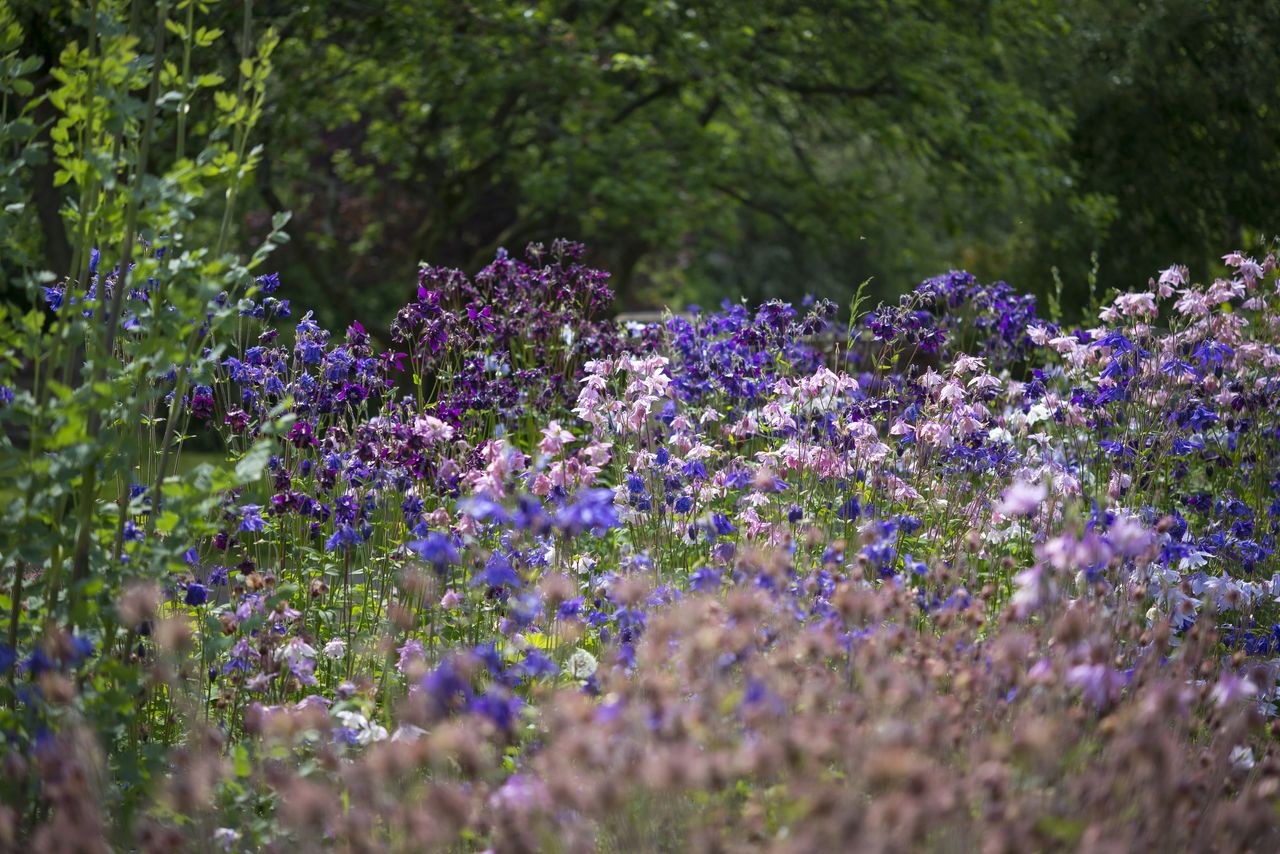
226	838
1242	758
581	664
294	651
335	648
408	732
999	434
366	731
1037	413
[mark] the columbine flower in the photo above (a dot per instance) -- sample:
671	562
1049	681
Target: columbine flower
1231	688
435	549
197	594
409	653
300	659
1242	758
1021	499
365	731
581	665
226	838
1099	684
592	509
554	438
251	517
335	648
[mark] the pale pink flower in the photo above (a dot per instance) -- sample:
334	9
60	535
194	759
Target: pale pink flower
935	433
1021	499
554	438
1137	304
431	429
599	453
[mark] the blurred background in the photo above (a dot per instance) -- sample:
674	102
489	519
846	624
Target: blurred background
740	149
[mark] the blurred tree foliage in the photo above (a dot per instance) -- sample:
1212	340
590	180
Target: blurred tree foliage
1175	136
754	147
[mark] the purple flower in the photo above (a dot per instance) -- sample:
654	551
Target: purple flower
499	706
202	402
270	283
1099	684
706	579
411	651
54	296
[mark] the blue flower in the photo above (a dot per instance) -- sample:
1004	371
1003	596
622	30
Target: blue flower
53	296
132	533
251	518
483	509
592	509
569	608
269	283
850	509
448	690
436	549
706	579
720	526
197	594
344	536
537	665
498	572
499	706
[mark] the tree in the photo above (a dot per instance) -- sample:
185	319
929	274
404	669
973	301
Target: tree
1176	137
698	148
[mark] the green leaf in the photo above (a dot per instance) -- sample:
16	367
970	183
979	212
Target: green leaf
252	464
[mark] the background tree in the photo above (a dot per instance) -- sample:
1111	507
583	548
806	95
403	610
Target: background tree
701	149
721	149
1176	137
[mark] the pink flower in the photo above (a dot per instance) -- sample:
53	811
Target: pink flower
431	430
1137	305
1172	277
554	438
935	433
1022	499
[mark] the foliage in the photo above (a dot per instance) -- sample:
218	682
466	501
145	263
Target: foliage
92	433
526	577
1173	138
